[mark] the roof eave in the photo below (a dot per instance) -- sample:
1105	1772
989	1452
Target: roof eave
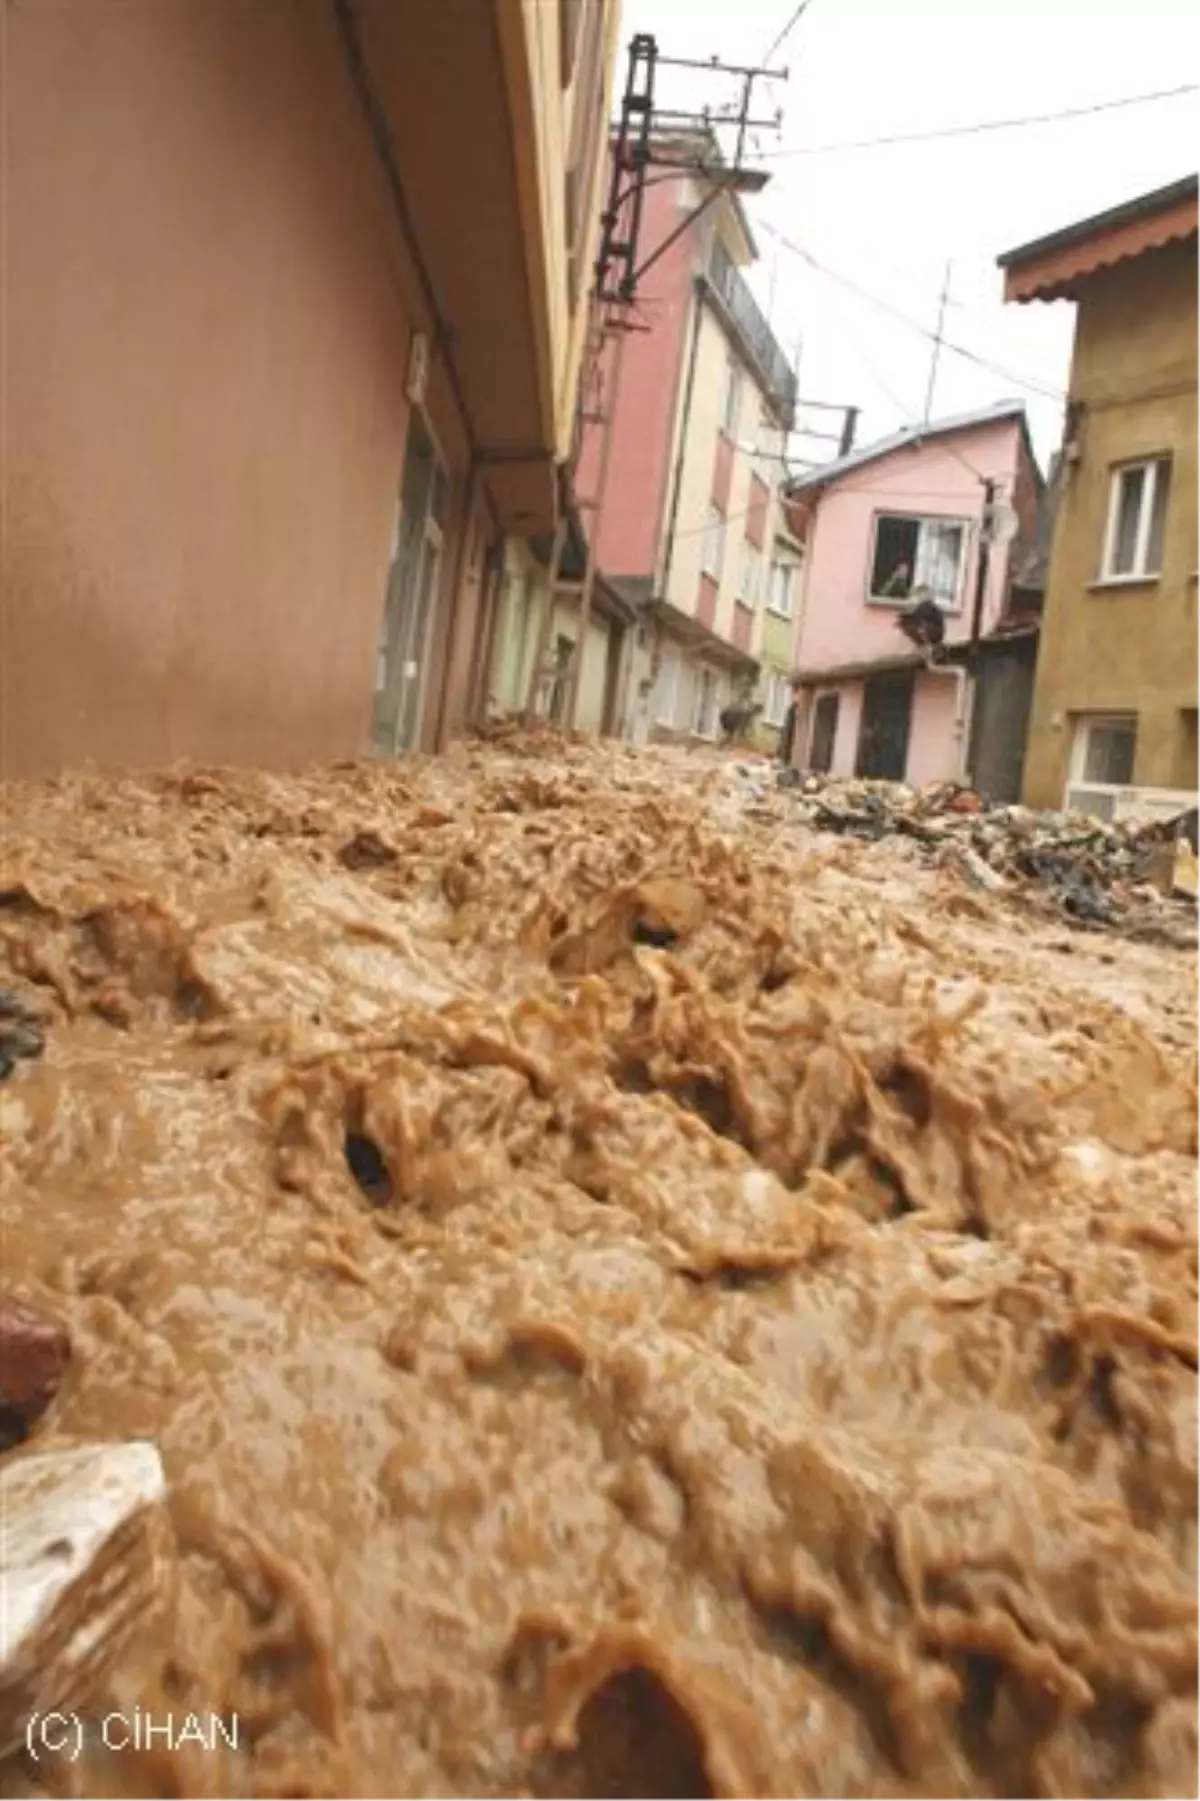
1057	267
1146	206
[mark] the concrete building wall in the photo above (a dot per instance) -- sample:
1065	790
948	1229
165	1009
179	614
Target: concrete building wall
589	714
175	394
777	640
554	124
209	302
936	737
648	400
1128	648
696	481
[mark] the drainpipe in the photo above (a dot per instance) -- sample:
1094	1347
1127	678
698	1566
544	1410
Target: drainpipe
546	616
493	585
966	677
982	570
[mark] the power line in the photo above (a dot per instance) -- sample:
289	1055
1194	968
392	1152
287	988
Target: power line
974	313
1033	387
953	497
904	412
783	36
982	125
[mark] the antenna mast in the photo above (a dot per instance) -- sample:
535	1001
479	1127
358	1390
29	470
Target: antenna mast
937	345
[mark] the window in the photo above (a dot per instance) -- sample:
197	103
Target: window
1103	750
1137	517
769	447
666	687
780	593
912	554
581	50
824	733
751	573
731	403
707	704
564	650
712	555
775	696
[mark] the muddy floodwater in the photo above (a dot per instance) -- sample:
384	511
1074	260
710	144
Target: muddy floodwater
633	1298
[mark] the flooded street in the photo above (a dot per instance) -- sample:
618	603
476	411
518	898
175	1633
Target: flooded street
633	1297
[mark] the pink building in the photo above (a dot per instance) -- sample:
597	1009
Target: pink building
894	526
692	531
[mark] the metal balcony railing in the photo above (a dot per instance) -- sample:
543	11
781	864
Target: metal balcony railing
756	337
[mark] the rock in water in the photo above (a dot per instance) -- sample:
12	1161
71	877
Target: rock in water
84	1556
34	1352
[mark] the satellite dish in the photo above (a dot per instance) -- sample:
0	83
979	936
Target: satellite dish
1000	524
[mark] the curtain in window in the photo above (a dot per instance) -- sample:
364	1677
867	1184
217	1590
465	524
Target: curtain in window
939	559
1129	516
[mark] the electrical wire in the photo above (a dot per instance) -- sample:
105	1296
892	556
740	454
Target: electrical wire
904	411
1033	387
787	30
973	311
954	498
985	125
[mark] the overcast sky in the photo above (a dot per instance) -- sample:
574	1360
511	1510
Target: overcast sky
889	219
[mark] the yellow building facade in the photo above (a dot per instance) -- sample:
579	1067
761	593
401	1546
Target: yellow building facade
1113	729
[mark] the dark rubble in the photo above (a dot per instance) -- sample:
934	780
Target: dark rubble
1138	880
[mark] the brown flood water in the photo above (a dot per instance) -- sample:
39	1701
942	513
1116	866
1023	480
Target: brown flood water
630	1302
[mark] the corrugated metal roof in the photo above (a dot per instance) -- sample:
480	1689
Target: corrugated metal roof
909	437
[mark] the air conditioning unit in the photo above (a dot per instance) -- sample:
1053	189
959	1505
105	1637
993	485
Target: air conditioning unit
1122	806
1097	803
1148	804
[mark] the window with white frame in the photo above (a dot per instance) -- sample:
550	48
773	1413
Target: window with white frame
666	686
1137	519
775	694
712	550
769	446
1103	751
707	703
731	400
914	552
750	575
779	595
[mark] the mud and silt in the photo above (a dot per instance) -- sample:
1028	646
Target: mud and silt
631	1300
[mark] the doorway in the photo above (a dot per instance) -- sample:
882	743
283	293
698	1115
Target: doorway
824	733
886	727
564	650
411	597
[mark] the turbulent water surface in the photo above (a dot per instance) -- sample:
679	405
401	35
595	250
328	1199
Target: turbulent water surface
632	1298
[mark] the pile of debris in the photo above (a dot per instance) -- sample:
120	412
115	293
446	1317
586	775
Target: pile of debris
1139	879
